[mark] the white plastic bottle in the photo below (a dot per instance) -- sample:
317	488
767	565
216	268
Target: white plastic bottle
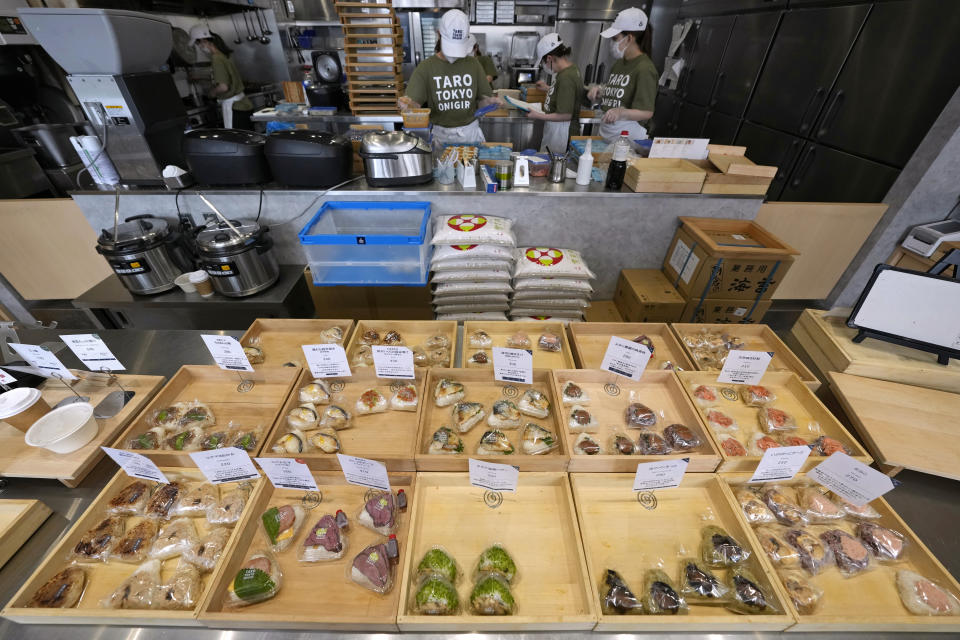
585	164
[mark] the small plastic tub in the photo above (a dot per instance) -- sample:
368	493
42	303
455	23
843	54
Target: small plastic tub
183	281
21	407
64	430
416	118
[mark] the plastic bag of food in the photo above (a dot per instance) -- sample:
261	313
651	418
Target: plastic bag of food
258	579
369	337
699	584
336	418
754	509
380	513
548	285
748	595
62	591
214	440
371	401
373	567
168	417
580	419
331	335
447	392
495	559
197	414
205	552
544	262
783	503
550	342
804	594
163	499
404	397
705	395
731	446
494	442
480	339
149	440
774	420
467	229
651	443
827	446
292	442
137	591
326	540
924	597
438	562
660	596
254	353
719	549
574	394
774	543
887	545
816	506
439	357
491	596
175	538
850	554
865	512
182	592
616	598
232	501
639	416
622	444
761	442
315	393
445	442
538	440
755	395
721	421
534	403
466	415
392	338
519	340
324	440
681	438
281	524
505	415
814	555
186	440
454	253
362	356
245	438
131	500
95	544
587	444
435	596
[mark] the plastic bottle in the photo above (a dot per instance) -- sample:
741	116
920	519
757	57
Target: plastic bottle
618	164
585	164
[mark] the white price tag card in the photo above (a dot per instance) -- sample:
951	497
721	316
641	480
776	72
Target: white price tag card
393	362
690	148
853	481
745	367
492	476
136	465
513	365
660	475
326	360
227	352
42	360
225	465
288	473
625	358
6	378
93	352
363	472
780	463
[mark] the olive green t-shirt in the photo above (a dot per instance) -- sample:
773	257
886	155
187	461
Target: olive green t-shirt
632	84
225	72
449	89
487	63
563	96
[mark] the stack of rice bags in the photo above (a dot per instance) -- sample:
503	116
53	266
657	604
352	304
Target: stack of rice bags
550	282
472	265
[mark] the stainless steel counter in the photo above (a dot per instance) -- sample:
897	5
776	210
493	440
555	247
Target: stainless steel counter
266	115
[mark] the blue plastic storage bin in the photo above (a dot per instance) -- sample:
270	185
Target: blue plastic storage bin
368	243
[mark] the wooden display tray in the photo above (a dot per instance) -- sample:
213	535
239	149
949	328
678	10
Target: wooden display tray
481	387
793	396
537	525
869	601
19	460
591	339
389	437
659	390
664	175
630	535
103	578
282	339
756	337
318	595
413	332
218	389
18	520
501	330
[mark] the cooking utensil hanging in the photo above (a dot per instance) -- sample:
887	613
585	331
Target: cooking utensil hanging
264	26
233	20
246	24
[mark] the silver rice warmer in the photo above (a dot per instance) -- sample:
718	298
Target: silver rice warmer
396	158
141	251
237	256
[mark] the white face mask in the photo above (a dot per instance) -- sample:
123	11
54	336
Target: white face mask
450	59
616	49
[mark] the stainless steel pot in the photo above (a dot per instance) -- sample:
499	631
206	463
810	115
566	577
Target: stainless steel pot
395	159
239	259
141	254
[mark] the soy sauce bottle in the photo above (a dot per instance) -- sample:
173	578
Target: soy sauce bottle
618	164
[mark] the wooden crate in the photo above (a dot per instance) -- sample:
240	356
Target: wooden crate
590	341
610	395
664	175
413	332
18	520
282	339
869	601
757	337
793	396
630	536
218	389
729	171
389	437
537	525
18	460
500	331
103	578
481	387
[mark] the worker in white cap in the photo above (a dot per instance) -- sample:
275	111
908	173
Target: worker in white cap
452	84
627	97
227	83
561	107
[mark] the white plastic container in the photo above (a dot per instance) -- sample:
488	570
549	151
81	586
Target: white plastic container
585	165
64	430
183	281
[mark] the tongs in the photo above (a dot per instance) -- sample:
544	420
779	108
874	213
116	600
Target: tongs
219	215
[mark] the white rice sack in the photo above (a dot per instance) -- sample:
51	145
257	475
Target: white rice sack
476	315
471	276
469	228
483	298
461	308
545	313
547	284
456	288
542	294
473	265
541	262
554	303
562	319
454	253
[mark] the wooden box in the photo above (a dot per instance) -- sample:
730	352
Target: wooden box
721	311
757	337
481	387
500	332
104	577
645	295
631	533
390	437
664	175
729	171
590	341
868	601
18	520
610	395
218	389
793	396
282	339
414	333
19	460
537	525
320	595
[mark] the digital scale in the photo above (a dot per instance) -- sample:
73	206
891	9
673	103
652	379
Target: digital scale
925	238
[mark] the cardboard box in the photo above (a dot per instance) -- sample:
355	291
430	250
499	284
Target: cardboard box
645	295
725	311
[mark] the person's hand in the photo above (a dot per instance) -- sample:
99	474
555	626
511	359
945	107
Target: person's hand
500	102
543	86
536	115
593	93
405	104
612	115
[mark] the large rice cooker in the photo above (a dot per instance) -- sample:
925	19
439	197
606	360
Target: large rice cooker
239	260
141	254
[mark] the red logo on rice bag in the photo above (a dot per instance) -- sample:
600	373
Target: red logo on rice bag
466	223
544	256
464	247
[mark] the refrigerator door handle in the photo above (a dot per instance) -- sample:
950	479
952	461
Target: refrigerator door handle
686	82
804	125
716	89
831	113
588	75
803	166
600	72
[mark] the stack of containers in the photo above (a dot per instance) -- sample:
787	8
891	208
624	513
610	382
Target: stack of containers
550	282
472	266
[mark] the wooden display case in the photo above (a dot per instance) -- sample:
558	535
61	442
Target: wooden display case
281	339
414	333
18	520
590	341
500	332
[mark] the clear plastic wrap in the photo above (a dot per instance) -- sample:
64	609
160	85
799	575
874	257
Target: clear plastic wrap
373	567
435	596
660	596
480	339
437	341
182	592
371	401
163	499
748	595
254	354
494	442
645	341
175	538
622	444
63	591
447	392
850	554
804	594
228	509
304	417
616	598
719	549
783	503
324	440
639	416
550	342
168	417
537	440
699	584
466	415
574	394
722	422
467	229
496	560
754	508
731	446
814	555
774	420
651	443
336	418
774	543
681	438
519	340
393	338
491	596
246	438
150	440
404	398
138	590
816	506
705	395
827	446
439	357
96	543
379	513
316	392
326	540
207	549
258	579
438	562
924	597
580	419
331	335
587	444
369	337
534	403
292	442
197	414
505	415
280	525
186	440
756	395
420	357
548	262
131	500
445	441
362	356
865	512
216	439
760	443
887	545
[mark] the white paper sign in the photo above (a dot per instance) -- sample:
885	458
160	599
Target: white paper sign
625	358
6	378
326	360
288	473
851	480
136	465
513	365
393	362
227	352
660	475
492	476
690	148
42	360
745	367
225	465
780	463
684	261
366	473
93	352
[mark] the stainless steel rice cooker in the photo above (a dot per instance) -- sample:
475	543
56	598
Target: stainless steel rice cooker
239	260
141	252
396	158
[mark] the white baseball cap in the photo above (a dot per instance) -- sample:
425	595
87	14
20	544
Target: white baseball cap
631	19
455	34
199	32
547	44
